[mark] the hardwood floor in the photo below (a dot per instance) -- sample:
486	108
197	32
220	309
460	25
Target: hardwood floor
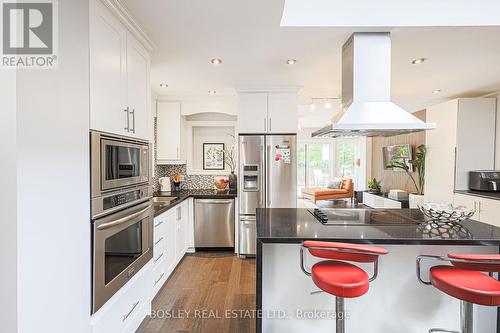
208	292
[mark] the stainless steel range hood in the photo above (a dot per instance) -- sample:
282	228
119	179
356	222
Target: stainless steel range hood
366	108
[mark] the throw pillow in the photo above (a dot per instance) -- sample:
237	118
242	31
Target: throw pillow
335	183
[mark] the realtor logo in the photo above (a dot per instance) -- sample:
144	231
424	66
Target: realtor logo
29	37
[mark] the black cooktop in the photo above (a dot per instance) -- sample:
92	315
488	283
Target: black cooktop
362	216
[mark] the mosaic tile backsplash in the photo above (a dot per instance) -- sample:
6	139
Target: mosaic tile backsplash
190	182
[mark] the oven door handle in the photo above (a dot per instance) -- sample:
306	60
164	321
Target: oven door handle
123	219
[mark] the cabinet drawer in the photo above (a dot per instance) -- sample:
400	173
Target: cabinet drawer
158	250
124	306
158	277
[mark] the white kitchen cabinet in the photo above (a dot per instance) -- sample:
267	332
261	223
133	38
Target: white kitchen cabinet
182	220
171	235
119	77
282	113
487	210
138	88
252	113
168	133
127	308
377	201
267	112
464	140
190	227
170	241
468	201
108	48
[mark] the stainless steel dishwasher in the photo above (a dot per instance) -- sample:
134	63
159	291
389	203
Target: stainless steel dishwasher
214	223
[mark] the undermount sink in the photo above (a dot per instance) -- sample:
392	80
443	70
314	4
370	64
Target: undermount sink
162	201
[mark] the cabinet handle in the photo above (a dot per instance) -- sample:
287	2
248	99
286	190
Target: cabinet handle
133	120
158	224
156	282
475	206
131	310
479	206
179	213
265	125
159	257
159	240
128	119
270	127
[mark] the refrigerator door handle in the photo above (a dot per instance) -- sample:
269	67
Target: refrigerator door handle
262	198
268	171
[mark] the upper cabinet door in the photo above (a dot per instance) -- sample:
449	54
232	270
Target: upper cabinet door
108	40
138	88
168	132
252	113
282	113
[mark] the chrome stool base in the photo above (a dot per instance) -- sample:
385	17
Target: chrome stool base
466	315
339	315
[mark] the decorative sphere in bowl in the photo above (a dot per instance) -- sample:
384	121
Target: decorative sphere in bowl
446	212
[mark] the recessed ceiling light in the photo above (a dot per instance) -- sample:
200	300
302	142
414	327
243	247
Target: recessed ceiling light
163	85
216	61
418	61
312	106
328	105
212	92
291	61
437	91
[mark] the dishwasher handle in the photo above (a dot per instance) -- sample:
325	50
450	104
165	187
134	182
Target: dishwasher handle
214	201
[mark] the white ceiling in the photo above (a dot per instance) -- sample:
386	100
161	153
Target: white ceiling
247	36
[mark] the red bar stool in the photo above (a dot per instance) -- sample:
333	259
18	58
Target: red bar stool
338	277
464	279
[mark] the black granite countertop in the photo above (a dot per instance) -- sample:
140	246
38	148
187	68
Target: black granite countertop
482	194
380	226
183	195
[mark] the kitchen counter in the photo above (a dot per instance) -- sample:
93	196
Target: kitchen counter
382	226
282	285
482	194
197	194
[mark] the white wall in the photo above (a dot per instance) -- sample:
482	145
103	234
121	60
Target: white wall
214	134
8	209
53	185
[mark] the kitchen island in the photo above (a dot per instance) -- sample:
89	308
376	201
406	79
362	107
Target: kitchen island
396	302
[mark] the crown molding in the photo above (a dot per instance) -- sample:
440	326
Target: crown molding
123	14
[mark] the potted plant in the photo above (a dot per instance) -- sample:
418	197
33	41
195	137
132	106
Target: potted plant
419	164
374	185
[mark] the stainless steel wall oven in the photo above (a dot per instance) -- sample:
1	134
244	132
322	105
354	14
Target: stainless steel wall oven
122	213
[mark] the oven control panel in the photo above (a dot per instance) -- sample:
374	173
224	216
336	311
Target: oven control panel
121	199
118	200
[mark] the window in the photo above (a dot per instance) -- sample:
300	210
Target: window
314	165
346	159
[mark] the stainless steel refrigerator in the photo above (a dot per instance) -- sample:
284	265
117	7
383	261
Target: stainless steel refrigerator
267	179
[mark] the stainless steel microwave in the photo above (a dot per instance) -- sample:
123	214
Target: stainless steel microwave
117	162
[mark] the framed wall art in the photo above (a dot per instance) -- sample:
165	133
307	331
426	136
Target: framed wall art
213	156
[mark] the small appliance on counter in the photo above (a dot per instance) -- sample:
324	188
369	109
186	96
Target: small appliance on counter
484	180
165	184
